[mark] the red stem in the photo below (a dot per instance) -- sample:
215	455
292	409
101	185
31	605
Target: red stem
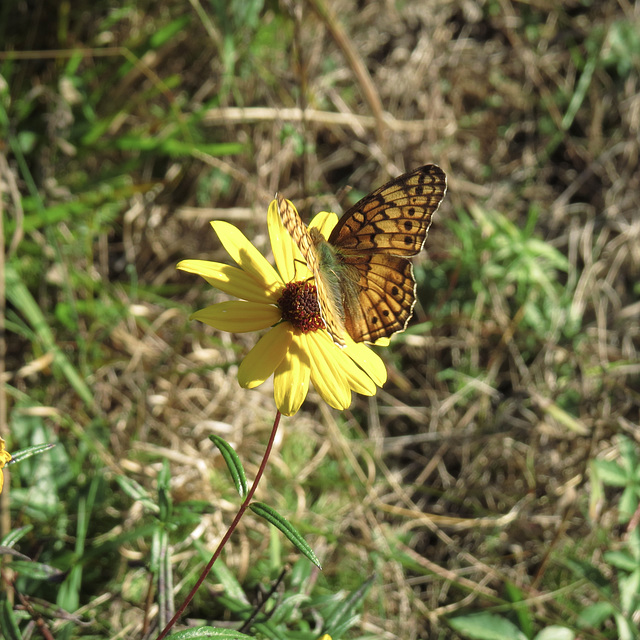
229	532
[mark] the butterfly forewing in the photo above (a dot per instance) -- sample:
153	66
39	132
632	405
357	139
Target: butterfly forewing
299	232
328	299
395	218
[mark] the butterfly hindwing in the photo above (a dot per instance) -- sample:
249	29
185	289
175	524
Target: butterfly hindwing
385	299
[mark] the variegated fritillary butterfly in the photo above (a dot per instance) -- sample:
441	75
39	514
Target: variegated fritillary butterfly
364	280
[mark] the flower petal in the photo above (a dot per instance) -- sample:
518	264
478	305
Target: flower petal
231	280
238	316
369	361
5	456
289	261
291	379
285	251
248	257
326	374
265	356
324	221
356	378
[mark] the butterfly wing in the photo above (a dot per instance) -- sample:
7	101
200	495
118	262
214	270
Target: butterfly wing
329	293
395	218
373	238
385	299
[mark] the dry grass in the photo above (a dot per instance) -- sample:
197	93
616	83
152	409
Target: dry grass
457	484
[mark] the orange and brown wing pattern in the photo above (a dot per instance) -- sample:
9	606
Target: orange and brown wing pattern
395	218
385	300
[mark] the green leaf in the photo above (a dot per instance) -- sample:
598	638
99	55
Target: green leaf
232	588
233	464
164	494
525	619
486	626
626	631
344	616
166	33
137	492
556	632
628	504
23	454
611	473
595	614
14	535
36	570
20	296
621	559
629	590
281	523
209	632
8	622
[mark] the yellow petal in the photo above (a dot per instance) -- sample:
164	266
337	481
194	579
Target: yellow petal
1	480
246	255
324	221
326	375
5	456
265	356
289	260
238	316
291	379
356	378
369	361
232	280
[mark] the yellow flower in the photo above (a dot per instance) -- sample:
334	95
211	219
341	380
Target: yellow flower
5	456
298	348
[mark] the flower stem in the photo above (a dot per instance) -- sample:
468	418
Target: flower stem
229	532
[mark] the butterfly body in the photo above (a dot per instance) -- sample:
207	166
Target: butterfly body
364	280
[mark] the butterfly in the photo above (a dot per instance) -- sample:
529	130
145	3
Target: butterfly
364	281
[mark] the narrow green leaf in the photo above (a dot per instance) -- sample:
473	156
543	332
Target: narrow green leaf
344	615
10	551
209	632
233	464
621	559
166	33
21	297
8	622
629	589
525	619
281	523
137	492
232	588
15	534
35	570
164	493
23	454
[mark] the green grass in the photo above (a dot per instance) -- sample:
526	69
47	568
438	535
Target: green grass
491	485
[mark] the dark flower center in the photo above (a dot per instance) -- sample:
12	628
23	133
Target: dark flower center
299	305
